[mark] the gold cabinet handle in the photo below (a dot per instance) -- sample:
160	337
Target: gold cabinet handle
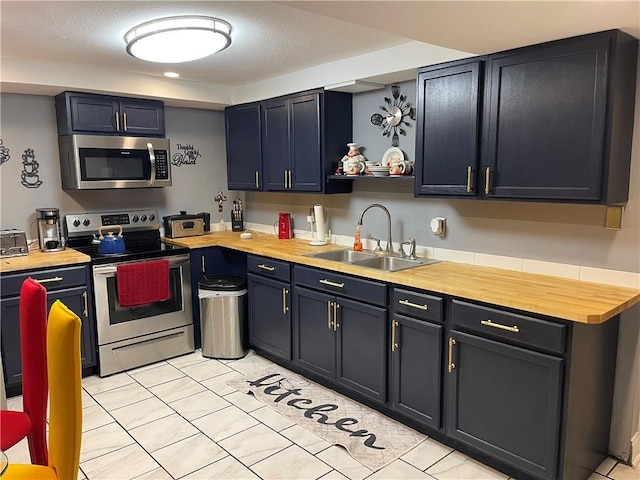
202	263
329	305
324	281
290	179
285	309
336	325
487	180
124	118
489	323
266	267
451	365
285	179
49	280
469	171
257	179
413	305
86	304
394	345
117	115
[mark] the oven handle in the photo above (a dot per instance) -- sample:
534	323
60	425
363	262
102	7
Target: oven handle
110	270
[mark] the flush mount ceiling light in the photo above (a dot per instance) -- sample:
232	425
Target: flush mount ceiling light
178	39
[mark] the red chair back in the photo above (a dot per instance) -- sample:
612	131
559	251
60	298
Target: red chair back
33	344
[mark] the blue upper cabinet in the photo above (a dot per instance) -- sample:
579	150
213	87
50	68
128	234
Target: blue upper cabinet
85	113
244	147
554	122
448	128
302	139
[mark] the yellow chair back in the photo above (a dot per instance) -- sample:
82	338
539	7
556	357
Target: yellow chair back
65	400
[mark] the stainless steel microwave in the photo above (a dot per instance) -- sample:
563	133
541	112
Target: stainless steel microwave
100	161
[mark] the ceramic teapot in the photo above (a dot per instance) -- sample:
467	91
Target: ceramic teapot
353	161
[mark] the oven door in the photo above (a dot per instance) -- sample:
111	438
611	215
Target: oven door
116	323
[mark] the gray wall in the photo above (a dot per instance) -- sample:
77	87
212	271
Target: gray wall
561	233
28	121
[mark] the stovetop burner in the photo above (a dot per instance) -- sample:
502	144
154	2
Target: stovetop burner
141	232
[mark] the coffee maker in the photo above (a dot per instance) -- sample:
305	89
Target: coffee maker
49	230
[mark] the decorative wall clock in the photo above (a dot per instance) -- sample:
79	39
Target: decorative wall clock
396	113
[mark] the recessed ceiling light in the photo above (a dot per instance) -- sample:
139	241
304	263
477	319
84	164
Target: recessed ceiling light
171	74
178	39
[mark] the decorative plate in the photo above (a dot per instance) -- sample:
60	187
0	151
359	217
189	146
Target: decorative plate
389	154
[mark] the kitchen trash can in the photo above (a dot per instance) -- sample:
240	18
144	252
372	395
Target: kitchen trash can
223	316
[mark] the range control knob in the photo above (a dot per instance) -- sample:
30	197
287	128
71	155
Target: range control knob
135	218
143	218
152	217
86	222
76	223
23	249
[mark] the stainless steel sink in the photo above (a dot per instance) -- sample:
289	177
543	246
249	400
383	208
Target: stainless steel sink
344	256
383	262
390	264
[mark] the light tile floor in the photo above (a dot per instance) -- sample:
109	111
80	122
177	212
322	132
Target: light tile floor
180	420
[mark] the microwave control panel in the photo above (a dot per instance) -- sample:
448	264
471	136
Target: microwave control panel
162	165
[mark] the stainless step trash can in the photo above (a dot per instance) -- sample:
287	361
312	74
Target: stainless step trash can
223	316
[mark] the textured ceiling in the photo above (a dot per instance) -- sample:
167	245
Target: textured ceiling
271	41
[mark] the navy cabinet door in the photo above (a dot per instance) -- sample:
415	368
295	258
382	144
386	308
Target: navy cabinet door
416	369
94	114
314	342
545	119
270	316
506	402
142	117
244	149
362	348
447	128
10	334
275	144
77	299
306	150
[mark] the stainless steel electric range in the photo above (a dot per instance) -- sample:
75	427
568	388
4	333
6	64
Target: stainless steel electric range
130	337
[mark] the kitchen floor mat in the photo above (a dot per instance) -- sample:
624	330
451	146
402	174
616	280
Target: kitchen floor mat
371	438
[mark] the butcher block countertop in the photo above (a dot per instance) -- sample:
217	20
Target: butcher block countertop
574	300
38	259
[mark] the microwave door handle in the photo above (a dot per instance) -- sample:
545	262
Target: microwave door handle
152	158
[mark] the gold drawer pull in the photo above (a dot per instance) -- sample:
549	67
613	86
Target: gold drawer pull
324	281
394	345
489	323
285	309
266	267
414	305
47	280
451	365
86	305
487	181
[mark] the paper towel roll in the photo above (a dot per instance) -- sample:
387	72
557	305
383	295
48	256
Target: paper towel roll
321	232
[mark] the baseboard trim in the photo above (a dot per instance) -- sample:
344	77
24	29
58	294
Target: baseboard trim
635	450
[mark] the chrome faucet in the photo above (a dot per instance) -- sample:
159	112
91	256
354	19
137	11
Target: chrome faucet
389	248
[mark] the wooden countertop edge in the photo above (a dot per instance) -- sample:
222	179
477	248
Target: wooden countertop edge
37	259
574	300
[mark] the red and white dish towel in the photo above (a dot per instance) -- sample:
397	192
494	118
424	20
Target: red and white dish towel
143	282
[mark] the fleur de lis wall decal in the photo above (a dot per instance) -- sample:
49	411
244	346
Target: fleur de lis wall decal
397	112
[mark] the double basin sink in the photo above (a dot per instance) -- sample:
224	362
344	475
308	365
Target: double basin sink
384	262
